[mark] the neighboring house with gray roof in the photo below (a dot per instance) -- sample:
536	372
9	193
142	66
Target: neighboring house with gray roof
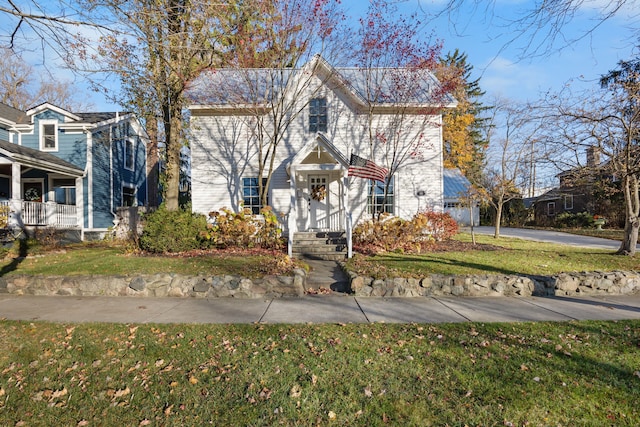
322	115
70	170
456	186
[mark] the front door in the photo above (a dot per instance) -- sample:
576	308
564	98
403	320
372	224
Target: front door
32	191
319	201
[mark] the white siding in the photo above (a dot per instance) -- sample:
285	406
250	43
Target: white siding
223	153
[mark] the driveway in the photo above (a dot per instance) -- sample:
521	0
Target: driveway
552	237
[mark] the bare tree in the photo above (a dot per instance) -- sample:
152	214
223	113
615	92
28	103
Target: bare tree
155	48
397	62
607	120
541	25
21	87
261	78
508	154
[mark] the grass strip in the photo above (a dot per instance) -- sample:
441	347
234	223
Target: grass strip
573	373
505	256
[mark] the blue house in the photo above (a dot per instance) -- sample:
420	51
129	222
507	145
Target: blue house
69	170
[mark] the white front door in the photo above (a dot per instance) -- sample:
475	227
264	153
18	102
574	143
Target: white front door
319	201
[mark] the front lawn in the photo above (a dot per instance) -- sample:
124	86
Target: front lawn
577	373
501	256
493	256
102	258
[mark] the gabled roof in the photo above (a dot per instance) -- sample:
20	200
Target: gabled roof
375	86
12	114
30	157
321	143
455	184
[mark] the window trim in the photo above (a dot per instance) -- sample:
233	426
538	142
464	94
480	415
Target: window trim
567	198
51	196
318	125
551	208
129	154
387	206
255	208
42	141
134	195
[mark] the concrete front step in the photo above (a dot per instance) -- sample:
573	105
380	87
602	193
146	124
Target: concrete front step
327	245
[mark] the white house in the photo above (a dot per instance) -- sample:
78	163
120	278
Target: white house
304	125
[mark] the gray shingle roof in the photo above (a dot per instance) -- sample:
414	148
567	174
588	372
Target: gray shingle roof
12	114
377	86
38	156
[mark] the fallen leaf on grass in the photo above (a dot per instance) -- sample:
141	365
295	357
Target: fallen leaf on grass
332	415
59	393
119	393
295	391
636	373
367	391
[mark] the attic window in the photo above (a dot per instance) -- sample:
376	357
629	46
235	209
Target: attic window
48	135
318	115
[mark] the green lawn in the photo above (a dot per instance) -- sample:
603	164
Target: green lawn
511	256
577	373
83	259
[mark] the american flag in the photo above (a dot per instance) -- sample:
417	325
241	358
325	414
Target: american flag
363	168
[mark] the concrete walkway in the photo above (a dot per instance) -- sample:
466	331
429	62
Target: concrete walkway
317	309
334	308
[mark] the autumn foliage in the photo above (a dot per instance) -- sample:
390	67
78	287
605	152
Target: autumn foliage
393	234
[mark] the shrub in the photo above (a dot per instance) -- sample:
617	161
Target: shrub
243	229
571	220
172	231
392	234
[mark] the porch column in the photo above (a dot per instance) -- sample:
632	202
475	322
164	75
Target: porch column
347	215
291	223
16	195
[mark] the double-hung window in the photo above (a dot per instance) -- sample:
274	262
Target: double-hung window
318	115
64	191
48	135
568	202
128	154
376	200
128	195
251	194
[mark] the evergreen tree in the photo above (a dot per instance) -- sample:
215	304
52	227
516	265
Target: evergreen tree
463	142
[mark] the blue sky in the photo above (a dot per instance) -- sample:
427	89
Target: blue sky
504	72
483	36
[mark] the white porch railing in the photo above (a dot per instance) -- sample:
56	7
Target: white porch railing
49	214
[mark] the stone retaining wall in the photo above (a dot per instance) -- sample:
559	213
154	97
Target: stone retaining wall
175	285
565	284
157	285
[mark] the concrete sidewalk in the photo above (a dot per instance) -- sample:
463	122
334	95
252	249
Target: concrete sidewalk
317	309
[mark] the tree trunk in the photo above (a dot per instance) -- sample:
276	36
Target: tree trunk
632	218
499	206
173	126
630	239
153	177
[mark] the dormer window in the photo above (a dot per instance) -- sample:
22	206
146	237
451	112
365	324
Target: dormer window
48	135
318	115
